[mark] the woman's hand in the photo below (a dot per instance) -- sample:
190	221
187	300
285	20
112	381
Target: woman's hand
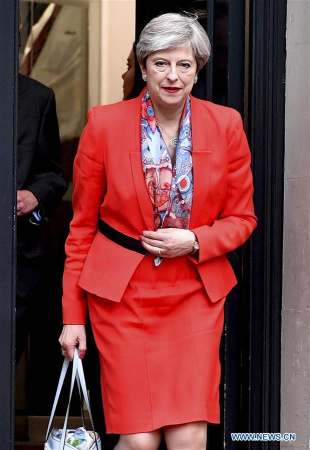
73	336
171	242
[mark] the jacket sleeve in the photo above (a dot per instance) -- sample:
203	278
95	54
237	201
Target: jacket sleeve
48	184
89	189
236	220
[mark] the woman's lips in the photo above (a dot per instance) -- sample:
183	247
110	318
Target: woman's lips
172	90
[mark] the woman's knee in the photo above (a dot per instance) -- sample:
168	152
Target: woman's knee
186	436
139	441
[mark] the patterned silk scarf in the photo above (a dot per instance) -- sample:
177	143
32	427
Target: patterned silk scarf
170	188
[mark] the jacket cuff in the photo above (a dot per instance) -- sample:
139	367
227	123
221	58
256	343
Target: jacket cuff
74	304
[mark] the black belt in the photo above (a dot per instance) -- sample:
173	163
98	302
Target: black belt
120	238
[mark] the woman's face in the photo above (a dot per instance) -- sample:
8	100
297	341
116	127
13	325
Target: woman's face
129	77
170	76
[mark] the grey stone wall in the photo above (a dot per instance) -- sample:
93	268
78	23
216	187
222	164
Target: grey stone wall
295	392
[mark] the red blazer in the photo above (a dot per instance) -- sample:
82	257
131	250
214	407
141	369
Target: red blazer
109	182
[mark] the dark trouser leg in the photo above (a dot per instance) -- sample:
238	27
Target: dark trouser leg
28	278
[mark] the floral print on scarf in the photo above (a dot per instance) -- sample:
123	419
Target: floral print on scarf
170	188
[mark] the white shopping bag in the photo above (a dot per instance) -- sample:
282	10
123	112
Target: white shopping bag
79	439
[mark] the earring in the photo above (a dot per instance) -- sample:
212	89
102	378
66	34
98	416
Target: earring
196	79
144	76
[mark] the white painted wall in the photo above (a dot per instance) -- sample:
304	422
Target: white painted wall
118	35
295	392
111	33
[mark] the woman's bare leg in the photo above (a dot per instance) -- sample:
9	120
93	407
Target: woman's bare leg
139	441
187	436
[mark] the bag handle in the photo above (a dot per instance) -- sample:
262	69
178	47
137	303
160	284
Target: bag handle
78	375
58	391
81	402
73	377
81	380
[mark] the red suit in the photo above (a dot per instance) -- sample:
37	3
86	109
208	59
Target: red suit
110	184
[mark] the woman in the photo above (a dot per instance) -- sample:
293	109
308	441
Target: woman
129	76
132	84
163	190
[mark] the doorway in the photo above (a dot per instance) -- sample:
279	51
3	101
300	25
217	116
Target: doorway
253	38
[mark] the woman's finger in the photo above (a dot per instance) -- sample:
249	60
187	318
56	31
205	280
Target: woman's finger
168	230
68	352
153	242
64	352
82	346
153	235
154	250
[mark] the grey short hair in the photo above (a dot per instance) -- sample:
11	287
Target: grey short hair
173	30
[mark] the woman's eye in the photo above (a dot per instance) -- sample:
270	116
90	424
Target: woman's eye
160	63
185	65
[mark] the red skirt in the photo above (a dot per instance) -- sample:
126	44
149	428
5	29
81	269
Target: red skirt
159	349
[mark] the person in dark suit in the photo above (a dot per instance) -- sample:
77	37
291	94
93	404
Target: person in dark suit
40	188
